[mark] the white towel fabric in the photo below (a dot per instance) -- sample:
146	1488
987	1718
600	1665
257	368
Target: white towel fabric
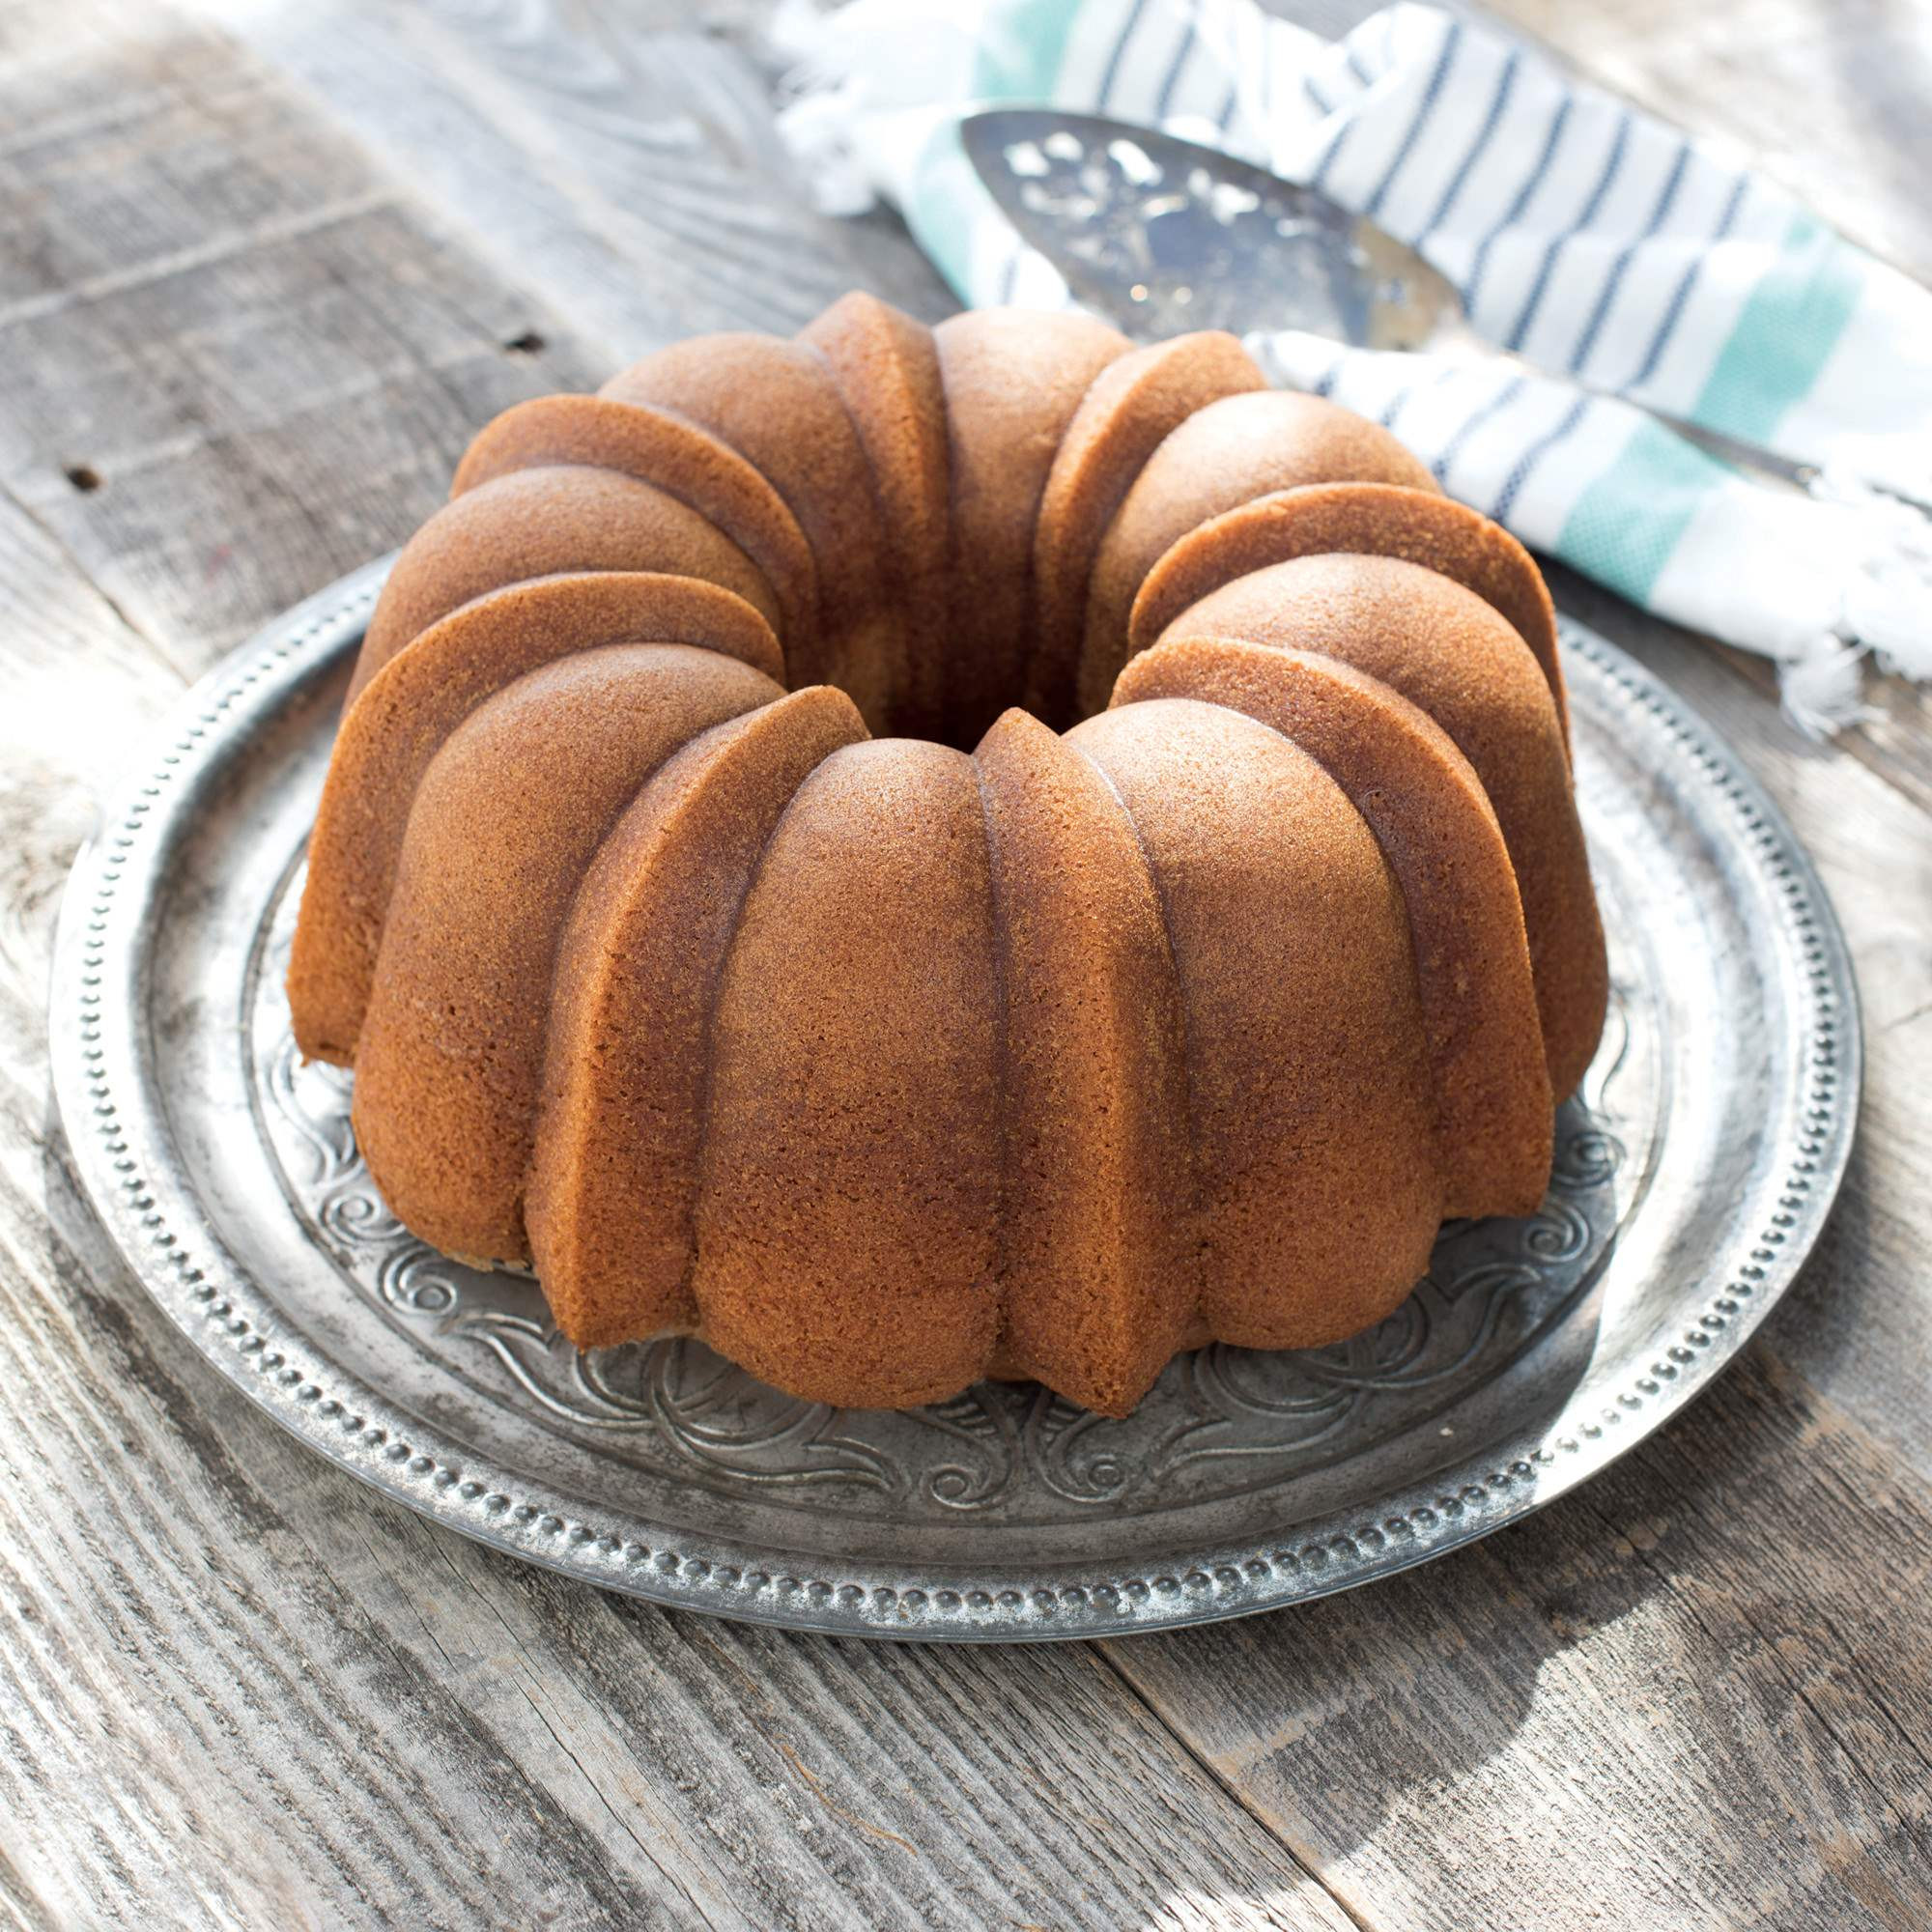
1636	269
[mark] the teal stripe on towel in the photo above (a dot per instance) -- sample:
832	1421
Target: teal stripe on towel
1784	334
947	201
1021	46
1622	529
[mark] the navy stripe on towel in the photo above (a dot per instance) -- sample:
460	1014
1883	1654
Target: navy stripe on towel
1324	384
1673	312
1532	456
1531	182
1400	401
1540	286
1505	82
1164	100
1111	72
1328	153
1453	448
1621	266
1394	407
1431	94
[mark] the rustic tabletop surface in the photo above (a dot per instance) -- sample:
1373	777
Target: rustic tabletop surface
263	270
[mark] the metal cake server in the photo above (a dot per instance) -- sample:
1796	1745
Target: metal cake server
1162	236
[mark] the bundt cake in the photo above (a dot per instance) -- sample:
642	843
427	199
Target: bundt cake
709	928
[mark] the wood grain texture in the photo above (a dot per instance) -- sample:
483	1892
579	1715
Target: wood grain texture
1828	99
622	159
1638	1699
264	267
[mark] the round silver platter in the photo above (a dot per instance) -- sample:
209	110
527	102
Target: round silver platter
1693	1171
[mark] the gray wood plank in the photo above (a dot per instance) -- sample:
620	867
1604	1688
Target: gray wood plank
1699	1693
275	382
614	156
257	280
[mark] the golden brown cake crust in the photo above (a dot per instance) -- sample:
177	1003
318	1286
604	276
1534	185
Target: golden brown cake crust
1014	382
777	405
411	706
451	1050
1099	1209
1372	519
886	369
1129	409
847	1242
1453	657
1433	820
1314	1128
541	522
693	466
882	1066
614	1181
1222	456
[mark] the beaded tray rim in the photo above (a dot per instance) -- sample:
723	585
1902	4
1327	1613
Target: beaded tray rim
121	1134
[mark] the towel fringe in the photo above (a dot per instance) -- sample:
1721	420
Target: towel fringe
1887	603
824	97
1819	690
814	128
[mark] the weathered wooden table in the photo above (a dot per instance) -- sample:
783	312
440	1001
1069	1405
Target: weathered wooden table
261	275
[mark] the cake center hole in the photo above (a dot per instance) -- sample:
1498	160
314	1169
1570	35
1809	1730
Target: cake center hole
974	695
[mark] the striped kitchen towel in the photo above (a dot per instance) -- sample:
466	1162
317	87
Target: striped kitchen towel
1625	267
